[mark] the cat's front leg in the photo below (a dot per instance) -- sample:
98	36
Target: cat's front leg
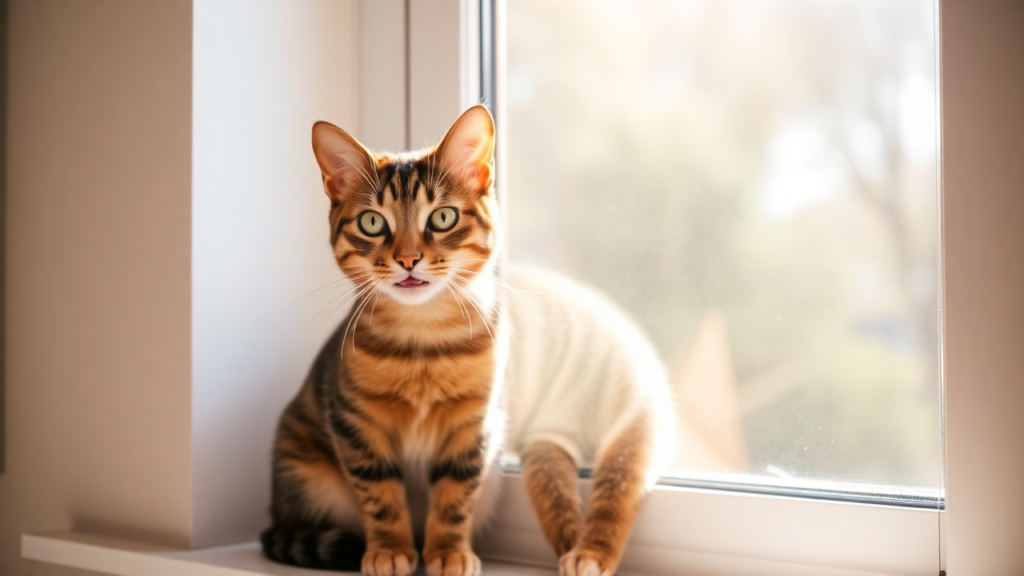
550	474
376	479
381	496
455	478
620	483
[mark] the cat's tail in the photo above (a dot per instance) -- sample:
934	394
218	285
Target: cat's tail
313	547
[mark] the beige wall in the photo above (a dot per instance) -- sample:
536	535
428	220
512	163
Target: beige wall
98	271
435	78
382	74
983	139
163	206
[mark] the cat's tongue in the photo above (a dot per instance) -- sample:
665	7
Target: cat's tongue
411	282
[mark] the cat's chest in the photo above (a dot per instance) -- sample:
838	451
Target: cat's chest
420	441
423	375
419	445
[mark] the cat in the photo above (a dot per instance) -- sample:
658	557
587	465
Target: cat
392	442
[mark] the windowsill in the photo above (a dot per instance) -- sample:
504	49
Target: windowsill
127	558
689	529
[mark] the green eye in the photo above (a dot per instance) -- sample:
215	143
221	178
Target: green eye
443	219
372	223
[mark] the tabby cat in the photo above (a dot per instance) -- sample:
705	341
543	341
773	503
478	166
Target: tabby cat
391	444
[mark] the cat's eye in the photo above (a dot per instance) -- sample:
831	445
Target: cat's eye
443	219
372	223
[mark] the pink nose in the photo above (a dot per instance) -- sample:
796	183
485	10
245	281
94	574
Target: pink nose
408	260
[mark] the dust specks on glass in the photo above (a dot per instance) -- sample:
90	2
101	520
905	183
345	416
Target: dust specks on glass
756	183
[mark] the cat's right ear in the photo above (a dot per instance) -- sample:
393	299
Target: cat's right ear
343	161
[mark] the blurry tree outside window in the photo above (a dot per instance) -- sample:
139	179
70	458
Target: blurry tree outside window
755	183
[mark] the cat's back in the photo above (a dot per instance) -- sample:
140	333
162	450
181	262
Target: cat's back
577	364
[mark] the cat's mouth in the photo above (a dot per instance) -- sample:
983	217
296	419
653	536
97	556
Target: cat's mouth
411	282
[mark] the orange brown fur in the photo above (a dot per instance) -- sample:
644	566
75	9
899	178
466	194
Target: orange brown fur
619	486
398	384
551	483
592	546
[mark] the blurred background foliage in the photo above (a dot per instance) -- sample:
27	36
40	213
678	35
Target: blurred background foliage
772	163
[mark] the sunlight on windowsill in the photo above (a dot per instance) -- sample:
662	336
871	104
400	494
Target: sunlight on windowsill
127	558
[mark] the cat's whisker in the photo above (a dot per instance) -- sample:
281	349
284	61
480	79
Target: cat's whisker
330	285
355	317
353	314
366	176
471	300
465	283
376	176
357	288
503	319
358	282
441	177
430	165
465	313
493	305
307	291
520	290
332	302
495	280
517	292
376	294
293	269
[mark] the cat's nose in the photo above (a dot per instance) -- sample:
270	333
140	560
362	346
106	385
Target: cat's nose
408	260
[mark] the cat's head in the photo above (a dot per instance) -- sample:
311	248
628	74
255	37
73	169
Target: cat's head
418	224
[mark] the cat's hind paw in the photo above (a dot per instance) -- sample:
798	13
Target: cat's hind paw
585	563
389	562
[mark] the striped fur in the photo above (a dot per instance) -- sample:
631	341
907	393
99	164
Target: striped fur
551	483
389	447
402	399
619	486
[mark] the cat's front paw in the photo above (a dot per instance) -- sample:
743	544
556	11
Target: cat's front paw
384	562
452	563
578	562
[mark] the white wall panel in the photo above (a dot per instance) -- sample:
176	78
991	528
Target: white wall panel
263	72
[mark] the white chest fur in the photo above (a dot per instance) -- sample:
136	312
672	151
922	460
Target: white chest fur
418	450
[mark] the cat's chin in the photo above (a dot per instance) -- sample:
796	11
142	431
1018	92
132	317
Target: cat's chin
412	295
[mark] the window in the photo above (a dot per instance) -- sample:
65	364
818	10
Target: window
757	184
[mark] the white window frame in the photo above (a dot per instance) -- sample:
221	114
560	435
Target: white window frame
688	530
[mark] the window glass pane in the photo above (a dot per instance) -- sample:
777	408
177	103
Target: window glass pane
756	183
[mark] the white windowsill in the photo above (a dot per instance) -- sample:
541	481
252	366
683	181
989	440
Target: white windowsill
696	531
127	558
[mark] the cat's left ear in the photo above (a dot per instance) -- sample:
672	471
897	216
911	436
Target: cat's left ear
467	150
344	162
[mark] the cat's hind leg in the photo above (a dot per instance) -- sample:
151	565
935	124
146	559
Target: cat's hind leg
316	522
620	483
311	532
551	483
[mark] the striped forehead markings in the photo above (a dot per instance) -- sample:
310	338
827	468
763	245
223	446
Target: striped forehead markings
405	172
404	179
